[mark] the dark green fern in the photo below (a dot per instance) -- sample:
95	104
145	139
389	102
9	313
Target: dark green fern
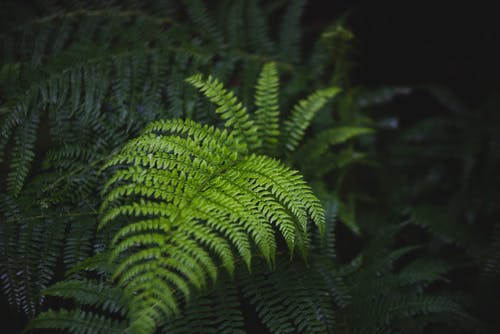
193	191
141	196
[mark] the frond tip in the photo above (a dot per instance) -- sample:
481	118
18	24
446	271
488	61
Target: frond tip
229	107
190	193
302	115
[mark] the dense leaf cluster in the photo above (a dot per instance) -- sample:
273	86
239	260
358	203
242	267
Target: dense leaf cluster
195	167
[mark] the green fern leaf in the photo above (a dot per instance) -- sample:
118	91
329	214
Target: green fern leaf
77	322
334	136
229	108
288	302
302	115
267	103
202	18
194	190
212	313
23	154
258	35
290	32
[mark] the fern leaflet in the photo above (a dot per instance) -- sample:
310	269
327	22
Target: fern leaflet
194	190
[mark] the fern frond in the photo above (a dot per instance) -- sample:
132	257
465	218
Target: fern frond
290	32
318	145
91	293
384	300
205	22
331	49
193	190
216	312
258	38
423	272
229	108
267	103
288	302
235	23
302	115
23	154
77	322
29	253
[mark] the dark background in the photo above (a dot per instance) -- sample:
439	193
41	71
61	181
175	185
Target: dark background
419	42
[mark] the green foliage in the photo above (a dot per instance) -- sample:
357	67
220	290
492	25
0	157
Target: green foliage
451	192
218	311
229	108
79	82
194	191
93	294
156	170
267	103
390	299
302	115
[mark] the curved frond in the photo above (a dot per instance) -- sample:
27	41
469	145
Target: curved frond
302	115
216	312
229	107
296	298
184	193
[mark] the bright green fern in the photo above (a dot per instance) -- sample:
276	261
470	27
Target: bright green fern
186	194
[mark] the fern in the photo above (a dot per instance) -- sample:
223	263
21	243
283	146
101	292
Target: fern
216	312
199	222
95	294
203	20
23	154
180	177
386	301
267	103
302	115
30	255
205	174
96	86
258	34
229	108
290	33
287	302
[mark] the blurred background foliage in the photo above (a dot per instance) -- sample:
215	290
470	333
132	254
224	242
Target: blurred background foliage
415	204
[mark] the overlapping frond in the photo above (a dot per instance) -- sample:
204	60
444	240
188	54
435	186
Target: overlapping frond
192	193
386	300
258	31
23	153
288	302
302	115
229	108
29	255
183	198
267	103
290	32
216	312
203	19
105	305
318	145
